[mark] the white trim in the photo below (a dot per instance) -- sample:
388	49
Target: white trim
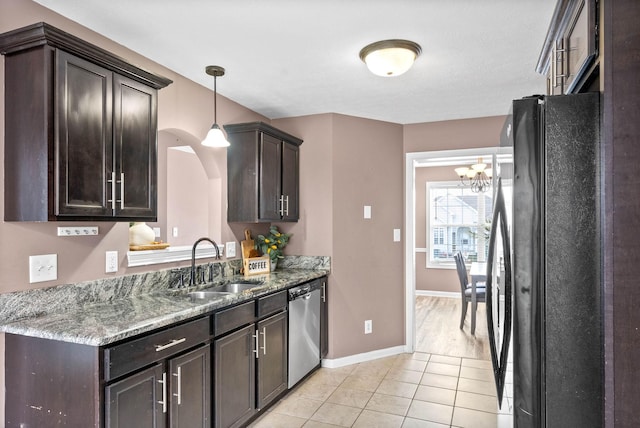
409	253
434	293
361	358
420	250
168	255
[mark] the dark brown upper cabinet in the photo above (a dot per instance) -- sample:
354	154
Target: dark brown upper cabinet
262	174
569	56
80	130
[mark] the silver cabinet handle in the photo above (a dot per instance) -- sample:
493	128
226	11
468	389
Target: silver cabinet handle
174	342
287	200
113	190
179	380
324	291
257	345
553	66
264	340
281	205
164	392
122	190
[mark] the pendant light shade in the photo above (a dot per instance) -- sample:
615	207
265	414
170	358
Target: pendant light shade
215	137
389	58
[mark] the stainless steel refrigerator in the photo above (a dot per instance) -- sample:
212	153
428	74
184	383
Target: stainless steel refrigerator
557	308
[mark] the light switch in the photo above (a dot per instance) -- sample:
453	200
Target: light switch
156	231
231	249
367	211
43	268
111	262
396	235
175	232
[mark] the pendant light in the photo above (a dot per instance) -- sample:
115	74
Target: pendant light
215	137
389	58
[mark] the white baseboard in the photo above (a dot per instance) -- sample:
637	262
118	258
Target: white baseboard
361	358
451	294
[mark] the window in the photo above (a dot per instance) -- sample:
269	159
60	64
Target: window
457	220
438	236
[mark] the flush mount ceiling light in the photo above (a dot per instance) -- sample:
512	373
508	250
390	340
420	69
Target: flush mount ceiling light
390	57
215	137
478	176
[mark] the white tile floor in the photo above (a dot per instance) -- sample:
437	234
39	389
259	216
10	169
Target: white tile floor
416	390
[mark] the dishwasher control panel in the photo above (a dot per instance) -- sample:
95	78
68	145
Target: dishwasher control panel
304	289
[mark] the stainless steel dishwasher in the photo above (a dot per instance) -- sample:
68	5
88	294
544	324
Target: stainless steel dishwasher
304	330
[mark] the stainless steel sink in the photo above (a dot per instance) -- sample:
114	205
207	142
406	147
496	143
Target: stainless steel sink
236	287
207	294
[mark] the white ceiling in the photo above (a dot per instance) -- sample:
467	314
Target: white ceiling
288	58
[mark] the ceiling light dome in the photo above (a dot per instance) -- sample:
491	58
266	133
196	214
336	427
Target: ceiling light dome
390	57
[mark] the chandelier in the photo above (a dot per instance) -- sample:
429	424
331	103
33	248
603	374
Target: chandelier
477	176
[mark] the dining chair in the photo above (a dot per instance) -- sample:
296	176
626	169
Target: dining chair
466	291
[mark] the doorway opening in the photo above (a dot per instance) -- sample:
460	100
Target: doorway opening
415	194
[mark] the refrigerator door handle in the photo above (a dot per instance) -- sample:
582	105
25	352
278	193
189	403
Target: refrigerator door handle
499	356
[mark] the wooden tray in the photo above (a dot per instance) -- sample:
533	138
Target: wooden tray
160	246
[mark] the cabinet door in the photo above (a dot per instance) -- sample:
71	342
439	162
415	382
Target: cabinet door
136	401
135	124
84	144
290	181
270	192
324	318
580	44
190	389
234	378
272	358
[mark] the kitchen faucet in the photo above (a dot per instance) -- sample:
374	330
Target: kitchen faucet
192	278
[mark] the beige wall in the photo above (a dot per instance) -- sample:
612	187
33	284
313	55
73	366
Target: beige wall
367	265
429	278
346	163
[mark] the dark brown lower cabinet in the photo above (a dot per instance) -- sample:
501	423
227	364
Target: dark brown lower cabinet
174	393
136	400
190	389
234	378
250	369
272	358
161	379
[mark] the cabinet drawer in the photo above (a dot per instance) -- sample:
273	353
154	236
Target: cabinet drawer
129	356
271	304
232	318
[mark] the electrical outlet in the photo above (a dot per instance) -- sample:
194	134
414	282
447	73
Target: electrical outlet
231	249
43	268
111	262
368	327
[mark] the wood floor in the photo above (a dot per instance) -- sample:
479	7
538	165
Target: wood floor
438	332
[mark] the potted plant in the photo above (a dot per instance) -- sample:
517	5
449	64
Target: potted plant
272	244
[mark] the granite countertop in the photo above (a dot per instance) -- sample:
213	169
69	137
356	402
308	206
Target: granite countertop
102	323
